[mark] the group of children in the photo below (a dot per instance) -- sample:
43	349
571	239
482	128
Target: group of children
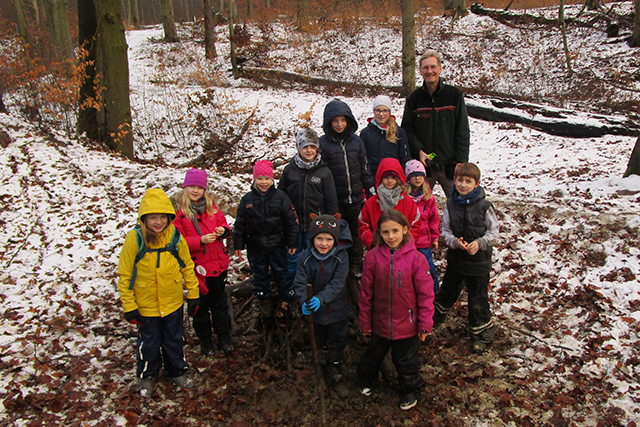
311	230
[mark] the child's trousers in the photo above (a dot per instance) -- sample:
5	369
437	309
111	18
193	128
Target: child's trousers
404	354
160	340
334	337
432	268
292	260
275	260
214	309
480	324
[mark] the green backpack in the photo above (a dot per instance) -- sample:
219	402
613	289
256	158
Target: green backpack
143	249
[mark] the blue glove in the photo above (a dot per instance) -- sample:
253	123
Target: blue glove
314	304
305	310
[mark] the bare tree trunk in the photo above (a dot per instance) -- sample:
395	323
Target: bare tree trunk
209	31
59	26
303	14
592	4
87	29
234	61
36	13
221	10
249	8
114	68
635	37
408	47
563	27
135	13
633	168
23	28
169	21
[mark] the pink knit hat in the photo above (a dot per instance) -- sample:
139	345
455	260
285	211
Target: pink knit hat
196	177
263	168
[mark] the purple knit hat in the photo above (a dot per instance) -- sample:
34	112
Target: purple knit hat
196	177
263	168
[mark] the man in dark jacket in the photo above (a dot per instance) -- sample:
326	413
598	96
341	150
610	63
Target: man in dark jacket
436	122
346	156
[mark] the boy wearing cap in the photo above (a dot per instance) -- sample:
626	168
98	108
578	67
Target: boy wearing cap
266	224
325	265
309	184
389	194
382	137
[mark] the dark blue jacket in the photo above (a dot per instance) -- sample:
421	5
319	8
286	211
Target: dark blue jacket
328	277
310	190
378	147
265	222
345	155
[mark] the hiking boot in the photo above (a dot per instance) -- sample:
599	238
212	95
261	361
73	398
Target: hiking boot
226	345
266	308
206	347
366	391
146	386
334	372
479	347
182	381
408	402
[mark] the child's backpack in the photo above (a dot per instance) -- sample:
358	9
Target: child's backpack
143	249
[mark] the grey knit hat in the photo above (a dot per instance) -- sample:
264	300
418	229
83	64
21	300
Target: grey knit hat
306	136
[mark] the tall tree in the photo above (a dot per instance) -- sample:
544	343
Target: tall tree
59	27
209	31
563	28
635	37
303	14
408	47
87	29
23	28
633	168
168	21
249	8
232	40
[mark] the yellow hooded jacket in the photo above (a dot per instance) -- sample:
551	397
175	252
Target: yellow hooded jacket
158	291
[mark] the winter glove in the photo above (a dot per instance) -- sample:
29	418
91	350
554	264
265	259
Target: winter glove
313	304
134	317
192	306
305	310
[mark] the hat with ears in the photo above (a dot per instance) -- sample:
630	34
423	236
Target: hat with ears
414	168
306	137
263	168
383	100
195	177
324	224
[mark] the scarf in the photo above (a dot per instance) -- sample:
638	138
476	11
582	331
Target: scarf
416	195
317	254
199	208
389	198
299	162
465	200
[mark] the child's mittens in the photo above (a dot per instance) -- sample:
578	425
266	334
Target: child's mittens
192	306
202	286
134	317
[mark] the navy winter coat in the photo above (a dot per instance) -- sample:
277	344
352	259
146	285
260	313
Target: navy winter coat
265	222
378	147
345	155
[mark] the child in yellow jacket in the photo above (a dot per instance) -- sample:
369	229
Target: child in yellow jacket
151	279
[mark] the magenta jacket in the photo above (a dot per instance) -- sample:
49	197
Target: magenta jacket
216	258
396	293
429	223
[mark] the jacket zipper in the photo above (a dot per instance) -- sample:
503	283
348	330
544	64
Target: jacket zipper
413	321
343	144
326	311
391	301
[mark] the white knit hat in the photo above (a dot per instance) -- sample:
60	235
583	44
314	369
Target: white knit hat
382	100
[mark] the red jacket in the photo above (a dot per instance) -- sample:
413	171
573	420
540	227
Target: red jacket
429	223
371	211
216	258
396	293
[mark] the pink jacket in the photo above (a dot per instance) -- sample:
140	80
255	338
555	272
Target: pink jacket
370	213
216	258
429	223
396	293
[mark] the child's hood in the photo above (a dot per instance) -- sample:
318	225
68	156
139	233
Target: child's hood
337	108
156	201
345	241
389	164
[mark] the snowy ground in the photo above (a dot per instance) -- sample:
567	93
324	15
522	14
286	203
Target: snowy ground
565	290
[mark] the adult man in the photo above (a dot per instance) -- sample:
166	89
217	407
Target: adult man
436	122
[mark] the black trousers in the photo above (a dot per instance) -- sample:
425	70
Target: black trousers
160	341
263	266
214	309
404	354
480	324
350	213
334	337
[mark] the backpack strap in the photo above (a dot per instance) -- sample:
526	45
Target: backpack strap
173	247
142	250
